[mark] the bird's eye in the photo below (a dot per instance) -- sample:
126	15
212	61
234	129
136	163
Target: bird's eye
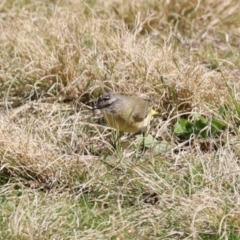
104	98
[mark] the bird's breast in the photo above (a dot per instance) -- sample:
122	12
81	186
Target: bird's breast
126	124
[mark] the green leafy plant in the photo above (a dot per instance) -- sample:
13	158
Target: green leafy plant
200	126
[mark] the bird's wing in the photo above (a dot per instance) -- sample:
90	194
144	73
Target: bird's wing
140	114
137	113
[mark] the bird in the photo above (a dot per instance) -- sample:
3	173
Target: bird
125	113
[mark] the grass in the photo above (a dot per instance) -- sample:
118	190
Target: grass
61	176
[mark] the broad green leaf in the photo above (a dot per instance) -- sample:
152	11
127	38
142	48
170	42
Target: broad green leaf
180	126
161	147
149	141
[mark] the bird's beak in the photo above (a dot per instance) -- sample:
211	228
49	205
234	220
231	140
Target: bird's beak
97	107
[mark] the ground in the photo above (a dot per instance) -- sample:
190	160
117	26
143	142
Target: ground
62	174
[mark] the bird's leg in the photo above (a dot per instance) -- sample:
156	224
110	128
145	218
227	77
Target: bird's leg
142	147
143	143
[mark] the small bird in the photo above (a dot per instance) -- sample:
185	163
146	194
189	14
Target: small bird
125	113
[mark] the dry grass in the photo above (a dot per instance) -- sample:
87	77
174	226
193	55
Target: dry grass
61	178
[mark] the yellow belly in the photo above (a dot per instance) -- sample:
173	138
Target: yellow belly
125	125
